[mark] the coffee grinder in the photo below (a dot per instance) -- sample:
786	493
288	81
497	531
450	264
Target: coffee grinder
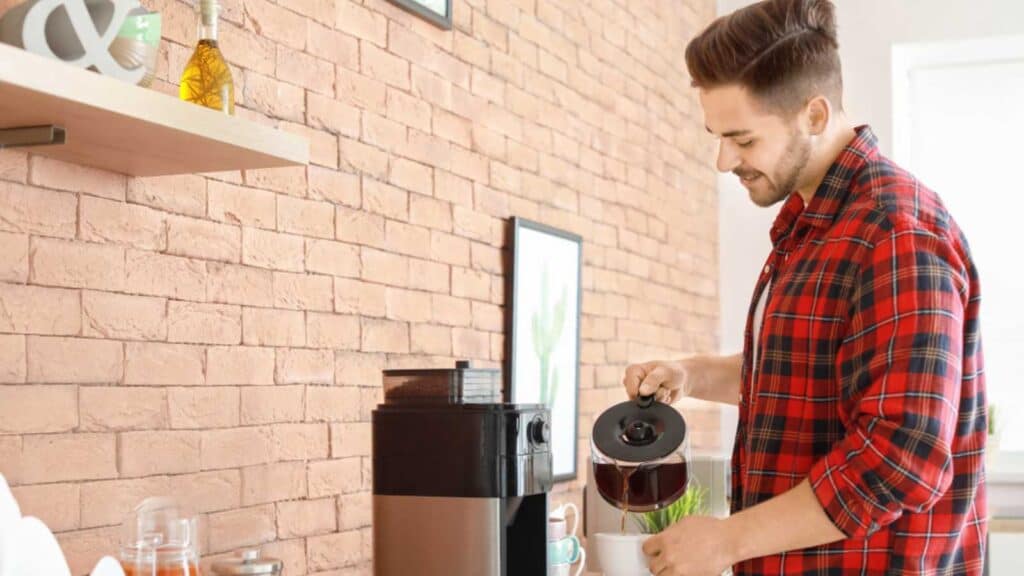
460	479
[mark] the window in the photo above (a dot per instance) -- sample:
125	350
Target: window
958	126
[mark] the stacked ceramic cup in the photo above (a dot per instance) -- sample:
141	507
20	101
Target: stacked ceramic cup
564	548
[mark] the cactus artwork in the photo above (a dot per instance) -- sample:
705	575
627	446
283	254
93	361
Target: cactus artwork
544	348
548	324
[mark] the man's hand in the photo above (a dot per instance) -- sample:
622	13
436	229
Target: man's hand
711	378
667	381
693	546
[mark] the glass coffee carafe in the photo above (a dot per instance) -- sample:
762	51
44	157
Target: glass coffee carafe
639	452
159	539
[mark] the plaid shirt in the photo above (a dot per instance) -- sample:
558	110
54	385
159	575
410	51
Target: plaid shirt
869	378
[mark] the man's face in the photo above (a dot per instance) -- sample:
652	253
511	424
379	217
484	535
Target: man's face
768	152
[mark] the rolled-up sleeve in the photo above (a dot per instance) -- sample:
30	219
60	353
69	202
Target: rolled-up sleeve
899	368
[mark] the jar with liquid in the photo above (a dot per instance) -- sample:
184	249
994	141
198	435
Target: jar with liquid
206	79
159	538
248	563
639	453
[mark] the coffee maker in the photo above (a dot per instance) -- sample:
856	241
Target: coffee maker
460	479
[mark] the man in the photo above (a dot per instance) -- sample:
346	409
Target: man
861	396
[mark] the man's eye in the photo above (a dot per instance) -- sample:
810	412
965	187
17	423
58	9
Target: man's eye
746	144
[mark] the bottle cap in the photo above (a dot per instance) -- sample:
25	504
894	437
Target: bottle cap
209	7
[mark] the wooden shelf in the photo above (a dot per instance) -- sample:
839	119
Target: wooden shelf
117	126
1006	525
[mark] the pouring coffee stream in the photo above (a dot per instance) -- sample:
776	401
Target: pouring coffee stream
639	451
625	497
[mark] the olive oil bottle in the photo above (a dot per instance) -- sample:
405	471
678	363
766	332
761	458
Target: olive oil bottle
207	77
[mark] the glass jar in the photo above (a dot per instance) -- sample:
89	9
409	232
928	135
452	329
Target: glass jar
160	539
248	563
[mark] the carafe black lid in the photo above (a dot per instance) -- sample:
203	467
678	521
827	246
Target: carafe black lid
639	431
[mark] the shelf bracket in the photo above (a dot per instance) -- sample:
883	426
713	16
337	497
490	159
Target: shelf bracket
47	135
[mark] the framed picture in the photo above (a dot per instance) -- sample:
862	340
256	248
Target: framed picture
545	332
437	11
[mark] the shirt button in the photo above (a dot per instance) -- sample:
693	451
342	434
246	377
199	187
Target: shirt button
767	268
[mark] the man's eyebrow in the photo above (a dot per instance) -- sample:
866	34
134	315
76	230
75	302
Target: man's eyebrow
731	134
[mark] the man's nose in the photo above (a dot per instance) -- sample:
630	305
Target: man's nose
728	160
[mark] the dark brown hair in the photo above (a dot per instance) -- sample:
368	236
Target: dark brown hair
783	51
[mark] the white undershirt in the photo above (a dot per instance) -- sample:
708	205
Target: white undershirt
758	321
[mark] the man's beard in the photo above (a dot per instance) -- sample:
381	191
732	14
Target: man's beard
787	172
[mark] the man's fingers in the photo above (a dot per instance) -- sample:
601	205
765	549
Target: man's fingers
634	375
650	379
651	546
657	564
654	379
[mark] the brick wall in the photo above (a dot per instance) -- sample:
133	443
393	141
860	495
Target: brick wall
220	337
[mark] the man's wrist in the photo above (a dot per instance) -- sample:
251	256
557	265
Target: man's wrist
694	375
738	540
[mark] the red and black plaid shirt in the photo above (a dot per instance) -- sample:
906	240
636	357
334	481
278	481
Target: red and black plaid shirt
869	379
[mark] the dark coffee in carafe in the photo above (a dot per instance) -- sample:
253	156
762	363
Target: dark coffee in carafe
641	488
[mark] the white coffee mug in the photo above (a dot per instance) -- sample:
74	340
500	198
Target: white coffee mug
557	522
621	554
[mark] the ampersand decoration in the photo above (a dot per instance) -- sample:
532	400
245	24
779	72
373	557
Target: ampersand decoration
73	31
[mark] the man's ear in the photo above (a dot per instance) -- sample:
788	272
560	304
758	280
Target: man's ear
818	114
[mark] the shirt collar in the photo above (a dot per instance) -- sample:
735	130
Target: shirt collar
833	191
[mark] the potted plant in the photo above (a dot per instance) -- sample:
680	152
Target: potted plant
689	504
994	434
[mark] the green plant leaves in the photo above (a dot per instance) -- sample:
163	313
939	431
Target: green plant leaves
689	504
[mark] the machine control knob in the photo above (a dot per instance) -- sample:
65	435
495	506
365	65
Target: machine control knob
539	431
